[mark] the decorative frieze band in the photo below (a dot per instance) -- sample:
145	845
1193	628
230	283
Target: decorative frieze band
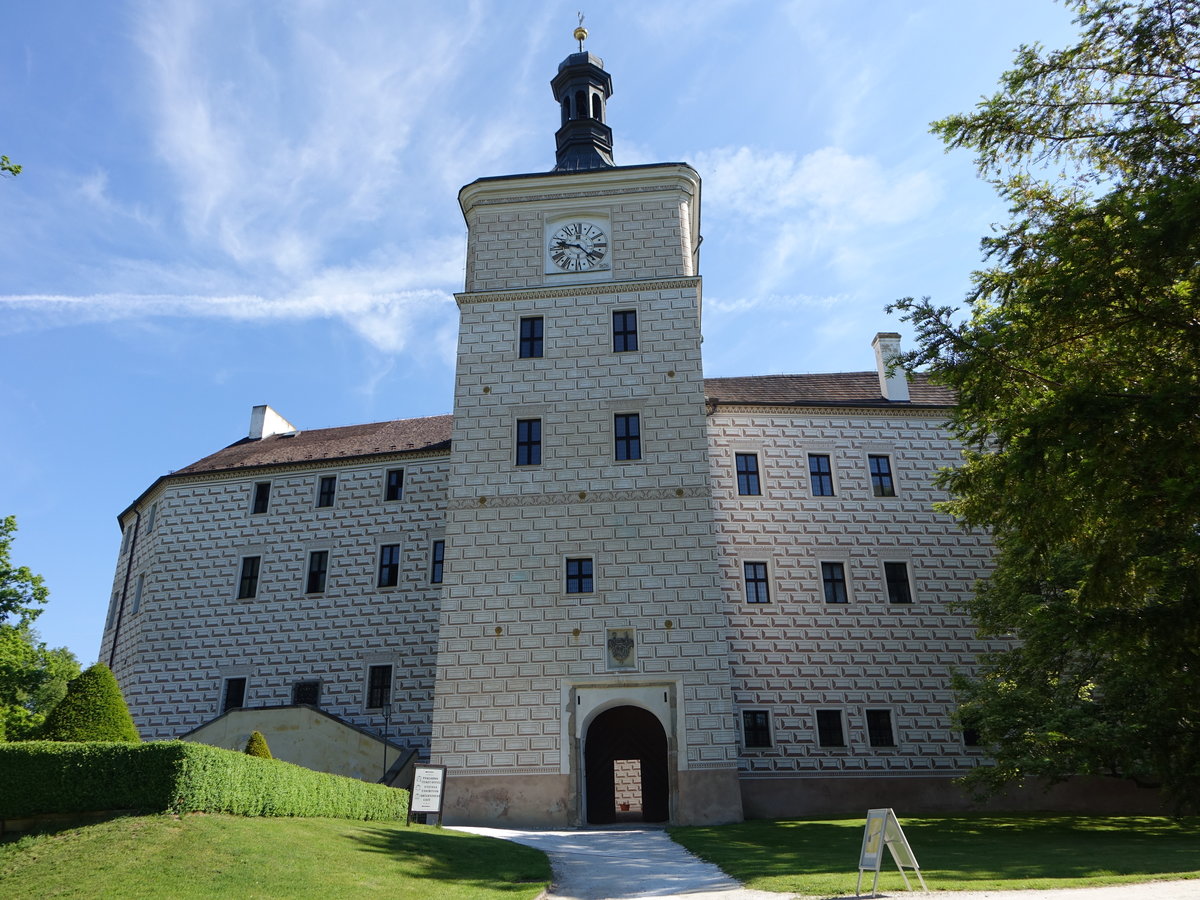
622	190
590	289
564	498
892	412
508	772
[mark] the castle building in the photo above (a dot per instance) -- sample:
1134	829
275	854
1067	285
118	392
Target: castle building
604	587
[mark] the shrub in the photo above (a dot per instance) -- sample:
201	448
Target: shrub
92	710
257	746
175	776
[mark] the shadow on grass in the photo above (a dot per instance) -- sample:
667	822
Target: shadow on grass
456	857
960	848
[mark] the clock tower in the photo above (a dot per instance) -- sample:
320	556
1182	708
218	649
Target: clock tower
583	670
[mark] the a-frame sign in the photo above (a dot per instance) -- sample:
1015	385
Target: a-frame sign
883	828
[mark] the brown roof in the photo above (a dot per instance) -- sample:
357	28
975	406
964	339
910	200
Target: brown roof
834	389
399	436
851	389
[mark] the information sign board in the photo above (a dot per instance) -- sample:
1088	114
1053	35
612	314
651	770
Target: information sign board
429	783
883	829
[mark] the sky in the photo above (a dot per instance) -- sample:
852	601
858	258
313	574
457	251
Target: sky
227	203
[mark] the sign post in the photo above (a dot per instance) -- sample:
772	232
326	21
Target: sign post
883	828
428	791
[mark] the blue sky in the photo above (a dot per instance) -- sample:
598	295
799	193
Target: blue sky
233	203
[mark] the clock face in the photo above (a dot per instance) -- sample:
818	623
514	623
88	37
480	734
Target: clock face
578	247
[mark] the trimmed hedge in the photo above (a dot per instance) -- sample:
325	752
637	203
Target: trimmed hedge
178	776
257	746
92	710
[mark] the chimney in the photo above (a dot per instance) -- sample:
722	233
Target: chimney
893	385
265	422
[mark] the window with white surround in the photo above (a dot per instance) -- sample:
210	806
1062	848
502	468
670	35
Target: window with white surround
833	582
820	474
579	575
248	579
756	728
530	341
393	485
389	565
233	694
627	436
318	569
262	498
897	581
880	732
880	467
625	330
831	728
529	442
379	686
757	581
326	490
746	465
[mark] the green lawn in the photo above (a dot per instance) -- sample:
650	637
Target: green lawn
206	856
961	853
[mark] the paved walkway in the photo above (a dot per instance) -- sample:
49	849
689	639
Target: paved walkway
623	863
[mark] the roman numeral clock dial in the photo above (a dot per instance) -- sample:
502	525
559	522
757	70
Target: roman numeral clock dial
579	247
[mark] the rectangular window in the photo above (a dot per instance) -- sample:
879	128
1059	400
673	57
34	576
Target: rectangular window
879	728
379	686
756	728
248	582
150	518
579	576
881	476
747	473
234	695
830	732
394	485
627	436
531	338
529	442
318	566
437	562
262	497
820	474
896	576
137	593
326	490
625	330
112	610
306	692
389	565
971	737
757	589
833	579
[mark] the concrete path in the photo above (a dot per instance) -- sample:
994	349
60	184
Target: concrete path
621	863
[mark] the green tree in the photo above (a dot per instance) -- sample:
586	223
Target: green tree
257	746
92	710
32	677
8	167
1078	374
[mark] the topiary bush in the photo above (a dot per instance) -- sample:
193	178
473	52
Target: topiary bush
176	776
257	746
92	710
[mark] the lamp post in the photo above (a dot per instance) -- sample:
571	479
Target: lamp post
387	715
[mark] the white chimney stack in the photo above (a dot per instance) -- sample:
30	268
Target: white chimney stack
893	385
265	422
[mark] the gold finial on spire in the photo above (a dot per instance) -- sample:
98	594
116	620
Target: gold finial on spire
581	33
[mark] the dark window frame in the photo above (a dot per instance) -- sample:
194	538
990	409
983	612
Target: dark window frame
389	566
379	686
820	480
393	485
627	443
835	583
756	576
625	330
317	574
826	719
883	482
261	502
580	575
326	491
748	482
756	729
529	442
248	577
302	688
437	561
899	589
232	698
531	337
881	729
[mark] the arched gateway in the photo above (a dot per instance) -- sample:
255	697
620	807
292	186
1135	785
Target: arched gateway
625	766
